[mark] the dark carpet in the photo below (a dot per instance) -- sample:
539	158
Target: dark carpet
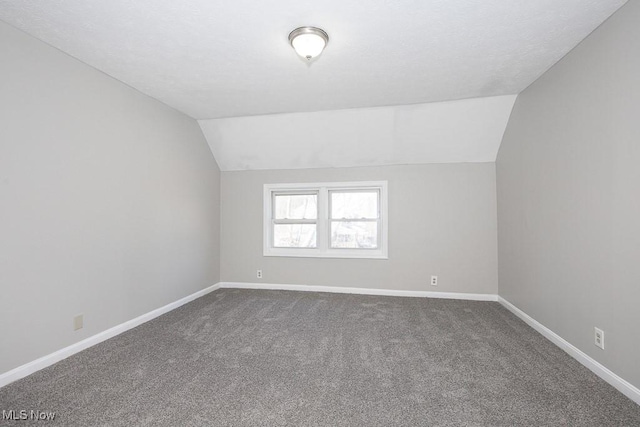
269	358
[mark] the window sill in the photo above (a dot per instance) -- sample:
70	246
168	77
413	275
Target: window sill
313	253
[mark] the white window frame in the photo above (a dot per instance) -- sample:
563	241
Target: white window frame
323	249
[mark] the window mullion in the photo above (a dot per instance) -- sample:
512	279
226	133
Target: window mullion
323	223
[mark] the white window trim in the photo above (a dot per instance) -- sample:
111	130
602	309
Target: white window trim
323	250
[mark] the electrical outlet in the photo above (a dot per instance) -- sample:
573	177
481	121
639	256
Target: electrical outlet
78	322
599	338
434	280
259	274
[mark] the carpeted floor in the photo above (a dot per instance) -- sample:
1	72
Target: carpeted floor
269	358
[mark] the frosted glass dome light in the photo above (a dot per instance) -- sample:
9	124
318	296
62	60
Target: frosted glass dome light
308	42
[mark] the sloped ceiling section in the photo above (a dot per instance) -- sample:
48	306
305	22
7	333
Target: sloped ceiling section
445	132
213	58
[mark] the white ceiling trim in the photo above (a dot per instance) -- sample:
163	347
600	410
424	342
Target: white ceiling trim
469	130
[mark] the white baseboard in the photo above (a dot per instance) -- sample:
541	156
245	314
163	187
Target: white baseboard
361	291
620	384
50	359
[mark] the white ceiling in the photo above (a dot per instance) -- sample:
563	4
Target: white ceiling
212	58
468	130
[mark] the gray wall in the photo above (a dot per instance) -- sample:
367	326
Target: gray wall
569	196
109	201
442	221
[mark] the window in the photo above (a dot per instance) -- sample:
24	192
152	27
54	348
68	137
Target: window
295	220
331	220
355	218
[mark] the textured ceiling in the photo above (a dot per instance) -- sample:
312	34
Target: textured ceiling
469	130
212	58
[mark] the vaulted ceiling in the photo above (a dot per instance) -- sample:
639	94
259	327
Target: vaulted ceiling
213	58
218	61
468	130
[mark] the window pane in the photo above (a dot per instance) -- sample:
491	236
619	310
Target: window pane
354	234
296	206
294	235
354	205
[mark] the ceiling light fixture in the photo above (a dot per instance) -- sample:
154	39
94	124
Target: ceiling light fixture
308	42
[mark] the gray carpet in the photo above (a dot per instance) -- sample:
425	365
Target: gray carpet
269	358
